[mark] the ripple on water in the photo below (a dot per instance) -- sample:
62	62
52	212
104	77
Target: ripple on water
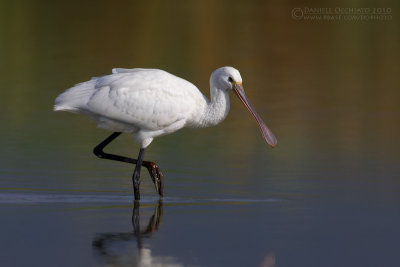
48	198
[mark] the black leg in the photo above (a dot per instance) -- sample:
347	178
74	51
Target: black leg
98	150
154	170
136	174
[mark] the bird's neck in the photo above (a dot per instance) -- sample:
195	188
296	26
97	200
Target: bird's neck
216	109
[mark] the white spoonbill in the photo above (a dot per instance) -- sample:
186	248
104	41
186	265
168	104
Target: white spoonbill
149	103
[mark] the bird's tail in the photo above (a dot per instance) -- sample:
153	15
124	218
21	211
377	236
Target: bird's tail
75	99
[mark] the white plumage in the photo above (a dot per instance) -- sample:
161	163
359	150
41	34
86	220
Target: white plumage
149	102
146	102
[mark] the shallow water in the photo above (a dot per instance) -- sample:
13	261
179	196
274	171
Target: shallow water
327	195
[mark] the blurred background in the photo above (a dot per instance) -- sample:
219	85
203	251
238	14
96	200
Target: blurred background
324	79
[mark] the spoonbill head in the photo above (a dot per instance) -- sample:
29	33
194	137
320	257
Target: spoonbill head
229	78
149	103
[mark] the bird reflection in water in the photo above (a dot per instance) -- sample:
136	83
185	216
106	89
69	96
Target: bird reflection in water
269	260
117	249
110	246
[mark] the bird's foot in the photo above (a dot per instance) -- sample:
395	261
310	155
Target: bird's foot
157	177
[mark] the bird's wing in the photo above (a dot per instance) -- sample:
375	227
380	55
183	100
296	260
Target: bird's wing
148	99
123	70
